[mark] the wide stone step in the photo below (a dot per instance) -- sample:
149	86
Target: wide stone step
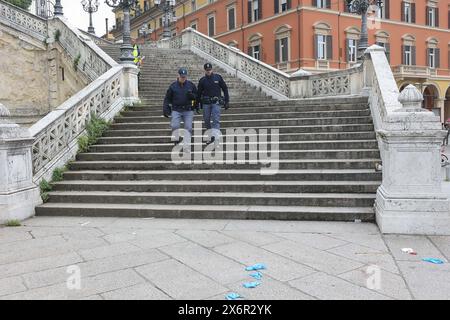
208	212
228	116
156	110
283	154
238	145
284	164
216	198
228	175
339	136
220	186
255	123
124	131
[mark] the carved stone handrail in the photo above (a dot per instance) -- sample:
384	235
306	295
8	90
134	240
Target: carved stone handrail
270	80
20	19
55	136
92	61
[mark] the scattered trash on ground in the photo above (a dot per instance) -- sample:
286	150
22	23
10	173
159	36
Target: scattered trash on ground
85	223
433	260
409	251
358	221
233	296
256	267
251	285
256	275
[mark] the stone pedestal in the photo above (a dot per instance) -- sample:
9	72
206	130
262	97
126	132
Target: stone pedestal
129	89
411	199
18	195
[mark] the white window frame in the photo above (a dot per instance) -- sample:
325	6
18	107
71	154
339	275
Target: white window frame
408	55
321	47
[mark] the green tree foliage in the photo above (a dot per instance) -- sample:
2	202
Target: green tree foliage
24	4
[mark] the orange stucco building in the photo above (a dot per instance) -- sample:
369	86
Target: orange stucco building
321	35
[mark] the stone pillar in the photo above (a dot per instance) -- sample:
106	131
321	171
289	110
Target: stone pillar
410	199
186	36
129	89
18	195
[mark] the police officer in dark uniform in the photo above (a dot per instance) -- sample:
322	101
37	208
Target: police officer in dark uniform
210	96
180	103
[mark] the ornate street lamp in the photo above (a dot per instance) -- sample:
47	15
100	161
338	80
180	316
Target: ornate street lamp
126	48
90	6
58	8
167	8
361	7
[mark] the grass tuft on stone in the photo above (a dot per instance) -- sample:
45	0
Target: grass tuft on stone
13	223
95	129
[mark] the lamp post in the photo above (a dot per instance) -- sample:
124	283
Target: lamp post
167	7
58	8
126	48
361	7
90	6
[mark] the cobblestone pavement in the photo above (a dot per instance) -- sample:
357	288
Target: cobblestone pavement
109	258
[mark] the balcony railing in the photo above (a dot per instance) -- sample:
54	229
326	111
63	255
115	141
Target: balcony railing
416	71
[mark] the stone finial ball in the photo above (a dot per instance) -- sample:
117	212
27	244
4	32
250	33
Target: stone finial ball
410	95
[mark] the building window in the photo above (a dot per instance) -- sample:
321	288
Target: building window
193	5
254	10
409	55
282	50
432	17
323	42
231	18
211	26
383	11
256	52
408	12
386	47
322	3
433	53
352	46
282	5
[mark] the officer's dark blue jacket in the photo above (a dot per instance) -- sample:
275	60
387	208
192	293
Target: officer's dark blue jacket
179	95
212	87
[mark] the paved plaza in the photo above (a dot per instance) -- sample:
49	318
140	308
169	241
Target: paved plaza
206	259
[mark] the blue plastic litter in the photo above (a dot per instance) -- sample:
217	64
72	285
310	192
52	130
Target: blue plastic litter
251	285
233	296
256	267
433	260
256	275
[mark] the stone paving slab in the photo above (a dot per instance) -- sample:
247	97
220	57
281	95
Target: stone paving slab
206	259
315	240
207	262
138	292
422	245
91	268
279	268
367	256
314	258
391	285
324	286
209	239
89	287
179	281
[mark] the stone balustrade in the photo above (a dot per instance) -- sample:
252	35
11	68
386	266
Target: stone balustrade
32	155
22	20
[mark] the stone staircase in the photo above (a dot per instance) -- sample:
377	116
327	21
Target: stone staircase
328	152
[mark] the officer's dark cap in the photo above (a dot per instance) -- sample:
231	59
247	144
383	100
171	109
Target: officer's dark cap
183	72
207	66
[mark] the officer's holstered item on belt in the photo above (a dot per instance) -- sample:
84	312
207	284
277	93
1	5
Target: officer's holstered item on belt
213	100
